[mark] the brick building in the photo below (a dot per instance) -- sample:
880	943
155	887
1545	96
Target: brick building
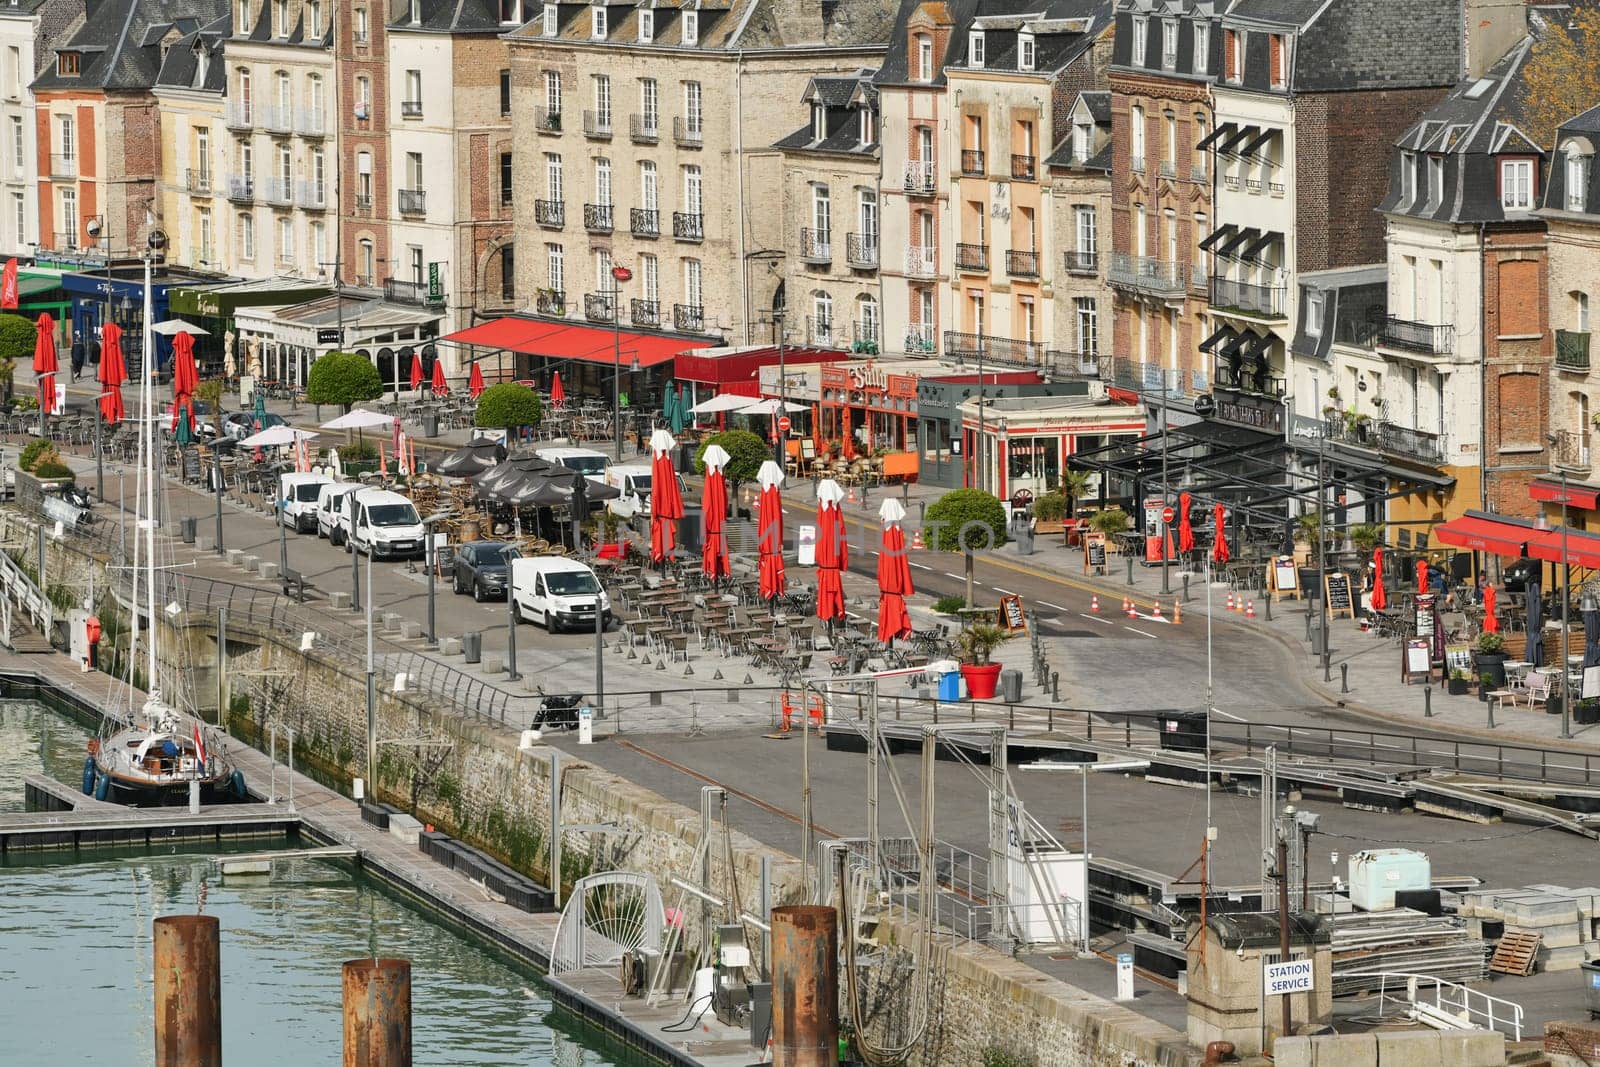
367	192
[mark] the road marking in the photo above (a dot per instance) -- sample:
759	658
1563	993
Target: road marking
1228	715
1096	618
957	577
922	566
1007	592
1138	631
1058	607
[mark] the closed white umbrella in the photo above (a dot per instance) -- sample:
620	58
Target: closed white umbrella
771	407
357	419
273	436
724	402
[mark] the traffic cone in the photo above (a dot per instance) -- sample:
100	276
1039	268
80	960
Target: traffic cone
1177	613
1230	600
1157	613
1133	612
916	541
1094	604
851	497
1127	604
1250	610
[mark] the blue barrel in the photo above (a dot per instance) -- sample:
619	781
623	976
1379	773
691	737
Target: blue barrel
102	787
236	783
88	776
950	685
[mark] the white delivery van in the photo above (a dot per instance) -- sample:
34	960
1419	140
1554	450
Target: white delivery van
384	524
330	510
633	481
557	593
587	460
298	494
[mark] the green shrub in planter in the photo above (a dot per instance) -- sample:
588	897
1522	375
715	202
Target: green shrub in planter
1051	507
34	453
53	470
949	605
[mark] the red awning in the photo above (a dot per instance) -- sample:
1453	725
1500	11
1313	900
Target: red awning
1488	535
562	340
1578	496
723	367
1580	549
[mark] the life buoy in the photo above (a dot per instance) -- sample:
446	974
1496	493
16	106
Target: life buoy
92	626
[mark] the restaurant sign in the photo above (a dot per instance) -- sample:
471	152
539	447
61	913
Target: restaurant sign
1263	413
869	378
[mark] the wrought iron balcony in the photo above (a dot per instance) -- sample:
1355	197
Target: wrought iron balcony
1571	451
199	181
241	116
597	307
919	178
816	246
1418	336
688	134
241	190
645	312
550	302
922	261
971	257
597	124
972	162
645	222
597	218
1081	262
1024	168
1155	276
1262	300
688	227
820	332
866	336
645	129
1145	377
63	166
1416	444
1197	170
277	191
65	242
1572	350
921	337
993	350
550	213
861	250
689	318
1136	164
404	291
413	201
1022	264
1066	365
312	195
278	119
1169	169
363	203
546	119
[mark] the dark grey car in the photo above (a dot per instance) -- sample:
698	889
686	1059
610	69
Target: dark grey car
482	569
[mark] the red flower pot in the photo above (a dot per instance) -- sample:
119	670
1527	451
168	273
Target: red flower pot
618	550
981	679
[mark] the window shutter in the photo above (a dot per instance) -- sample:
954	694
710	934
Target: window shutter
1275	49
1230	43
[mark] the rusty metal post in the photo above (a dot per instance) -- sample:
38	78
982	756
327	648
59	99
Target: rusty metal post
805	986
188	989
377	1013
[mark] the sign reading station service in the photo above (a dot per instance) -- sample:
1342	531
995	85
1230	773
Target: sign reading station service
1294	976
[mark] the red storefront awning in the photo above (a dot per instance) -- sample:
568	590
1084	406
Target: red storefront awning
1580	549
736	370
1486	533
561	340
1577	496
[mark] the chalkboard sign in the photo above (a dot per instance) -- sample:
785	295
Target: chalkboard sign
1094	551
1415	660
191	465
1340	601
1458	658
1285	577
1011	614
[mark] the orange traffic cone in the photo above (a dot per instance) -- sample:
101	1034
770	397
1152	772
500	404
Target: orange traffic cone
1094	604
1250	610
1230	600
851	497
1177	612
1133	612
916	541
1157	613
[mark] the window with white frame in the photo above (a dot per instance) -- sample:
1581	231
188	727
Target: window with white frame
366	259
1516	184
821	211
924	58
247	161
280	18
602	269
510	12
1087	229
1030	319
650	104
1233	44
242	25
692	291
551	22
1169	124
647	25
648	189
1086	318
555	268
869	132
822	317
414	258
313	18
975	49
19	161
284	170
819	122
1136	137
67	137
602	101
650	277
69	216
363	97
285	95
693	108
1202	46
1314	314
316	100
14	72
597	22
553	184
247	235
1025	50
414	170
867	216
1435	180
19	216
1580	308
1081	141
868	317
693	191
361	25
1197	159
1408	177
319	243
364	177
691	27
552	91
602	181
1577	179
1141	39
285	240
1169	44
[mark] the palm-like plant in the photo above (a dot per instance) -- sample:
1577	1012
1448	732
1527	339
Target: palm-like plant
1075	483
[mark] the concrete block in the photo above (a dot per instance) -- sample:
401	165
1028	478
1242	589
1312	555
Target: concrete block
1344	1050
407	829
1292	1052
493	664
250	563
392	621
339	601
235	557
450	646
1473	1048
1409	1048
410	630
204	544
269	571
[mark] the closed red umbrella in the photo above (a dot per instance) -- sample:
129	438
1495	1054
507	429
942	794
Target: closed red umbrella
1380	599
416	371
894	575
769	523
44	361
558	395
714	504
1490	623
666	502
1185	531
475	381
184	380
113	372
1422	576
439	385
847	442
1219	549
832	552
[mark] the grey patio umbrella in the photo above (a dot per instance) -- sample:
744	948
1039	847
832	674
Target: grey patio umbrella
1535	651
1591	631
489	483
472	459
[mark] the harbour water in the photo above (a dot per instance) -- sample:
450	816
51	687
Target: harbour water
76	956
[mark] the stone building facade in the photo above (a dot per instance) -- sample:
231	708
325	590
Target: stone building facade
27	30
1079	173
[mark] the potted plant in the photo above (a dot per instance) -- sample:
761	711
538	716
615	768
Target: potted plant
1050	509
1109	522
610	547
1485	685
1308	528
1490	658
977	643
1458	682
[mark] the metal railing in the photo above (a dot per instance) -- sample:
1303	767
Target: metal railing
645	312
597	124
62	166
1197	170
241	116
402	291
277	191
921	337
413	201
1572	350
1022	264
1072	365
867	334
689	318
597	307
278	119
1169	169
688	134
993	349
312	194
1136	164
1081	262
311	122
597	218
972	257
1024	168
861	250
1418	336
922	261
1243	296
551	213
1570	452
363	203
819	332
241	189
816	246
919	177
646	129
1452	1006
1146	377
546	119
17	588
1146	274
972	162
550	302
688	227
644	222
198	181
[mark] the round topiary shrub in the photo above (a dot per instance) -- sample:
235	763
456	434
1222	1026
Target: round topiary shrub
343	378
508	406
965	520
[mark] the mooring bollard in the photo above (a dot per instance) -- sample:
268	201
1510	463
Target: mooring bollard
1267	600
1490	705
1344	677
1186	588
377	1012
1308	624
1327	662
1055	686
188	991
1427	702
1130	570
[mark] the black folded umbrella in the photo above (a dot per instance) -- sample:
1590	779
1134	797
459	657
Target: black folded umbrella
489	483
1535	651
472	459
1591	638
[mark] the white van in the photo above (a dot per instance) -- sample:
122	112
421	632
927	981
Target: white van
633	480
556	592
586	460
330	510
384	524
298	493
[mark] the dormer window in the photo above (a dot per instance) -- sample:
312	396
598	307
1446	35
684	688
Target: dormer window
280	18
924	58
1577	178
1435	180
819	122
510	12
1080	142
1141	39
68	64
313	19
1408	178
975	49
691	27
647	25
1516	184
552	19
1025	51
1314	314
1202	47
416	12
202	66
1233	55
868	134
243	25
1277	60
597	23
1169	44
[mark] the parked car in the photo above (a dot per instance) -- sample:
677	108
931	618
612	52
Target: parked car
330	510
242	424
587	460
557	592
481	568
633	480
204	424
300	493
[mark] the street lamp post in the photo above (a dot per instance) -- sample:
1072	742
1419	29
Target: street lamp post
1566	609
430	555
778	443
512	673
1166	537
619	274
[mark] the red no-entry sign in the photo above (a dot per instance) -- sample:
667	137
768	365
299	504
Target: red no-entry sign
783	424
1166	515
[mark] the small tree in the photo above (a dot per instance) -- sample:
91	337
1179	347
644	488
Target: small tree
1075	484
1050	507
1561	79
746	452
965	520
210	393
343	378
508	406
16	343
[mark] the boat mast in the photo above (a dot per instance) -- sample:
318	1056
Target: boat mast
150	461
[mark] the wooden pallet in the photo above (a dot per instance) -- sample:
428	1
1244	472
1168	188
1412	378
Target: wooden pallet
1515	953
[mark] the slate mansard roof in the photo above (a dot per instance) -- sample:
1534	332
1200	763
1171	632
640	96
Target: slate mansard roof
120	41
843	97
183	59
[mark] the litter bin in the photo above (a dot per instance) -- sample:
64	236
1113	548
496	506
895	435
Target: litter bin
1182	731
1011	685
950	685
1022	534
186	525
691	528
472	647
430	425
1319	636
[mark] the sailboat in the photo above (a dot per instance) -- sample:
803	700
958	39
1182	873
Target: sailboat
155	754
